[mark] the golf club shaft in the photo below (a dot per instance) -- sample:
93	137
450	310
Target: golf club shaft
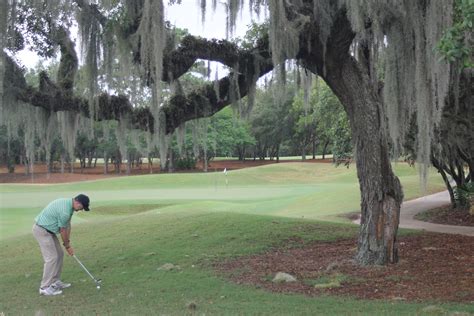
85	269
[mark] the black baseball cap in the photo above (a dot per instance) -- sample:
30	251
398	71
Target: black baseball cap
84	200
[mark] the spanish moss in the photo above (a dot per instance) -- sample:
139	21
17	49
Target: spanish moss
401	39
68	125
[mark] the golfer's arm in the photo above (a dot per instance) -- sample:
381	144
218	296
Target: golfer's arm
68	229
65	233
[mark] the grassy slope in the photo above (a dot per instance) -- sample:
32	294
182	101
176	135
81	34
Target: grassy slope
125	245
316	191
127	251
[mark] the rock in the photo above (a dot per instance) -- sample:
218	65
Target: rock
332	266
398	298
282	277
168	267
434	310
330	285
191	306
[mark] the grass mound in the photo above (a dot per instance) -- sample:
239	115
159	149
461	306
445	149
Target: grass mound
124	209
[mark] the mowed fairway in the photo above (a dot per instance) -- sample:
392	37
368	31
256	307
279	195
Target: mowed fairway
299	190
139	223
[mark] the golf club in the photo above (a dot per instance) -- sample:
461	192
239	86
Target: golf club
97	281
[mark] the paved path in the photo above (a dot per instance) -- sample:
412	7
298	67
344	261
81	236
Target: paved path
410	208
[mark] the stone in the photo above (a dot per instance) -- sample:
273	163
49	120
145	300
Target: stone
168	267
434	310
282	277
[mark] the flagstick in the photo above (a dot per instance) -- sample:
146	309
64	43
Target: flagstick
226	181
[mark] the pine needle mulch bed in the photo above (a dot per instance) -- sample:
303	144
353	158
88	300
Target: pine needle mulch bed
448	216
432	267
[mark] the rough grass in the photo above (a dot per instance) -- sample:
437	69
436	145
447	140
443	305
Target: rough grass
126	253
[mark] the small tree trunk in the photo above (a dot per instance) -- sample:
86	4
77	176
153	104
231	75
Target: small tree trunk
89	165
325	148
106	163
150	164
303	151
170	163
278	153
71	164
118	164
440	169
205	161
62	163
25	164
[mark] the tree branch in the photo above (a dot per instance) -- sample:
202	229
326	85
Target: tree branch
249	66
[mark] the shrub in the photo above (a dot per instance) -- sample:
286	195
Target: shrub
463	195
185	163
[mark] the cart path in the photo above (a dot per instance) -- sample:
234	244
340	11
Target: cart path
410	208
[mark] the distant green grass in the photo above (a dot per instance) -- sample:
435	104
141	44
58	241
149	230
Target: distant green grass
300	190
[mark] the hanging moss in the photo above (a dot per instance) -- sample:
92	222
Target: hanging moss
4	13
46	131
181	137
152	42
284	33
121	134
400	36
68	125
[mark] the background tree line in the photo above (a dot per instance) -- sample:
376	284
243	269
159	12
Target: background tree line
280	124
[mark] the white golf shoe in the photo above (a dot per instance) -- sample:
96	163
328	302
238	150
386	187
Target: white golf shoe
60	285
50	290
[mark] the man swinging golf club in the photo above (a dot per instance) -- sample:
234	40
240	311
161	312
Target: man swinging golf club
56	219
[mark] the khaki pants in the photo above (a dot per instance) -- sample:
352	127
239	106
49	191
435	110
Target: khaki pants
52	255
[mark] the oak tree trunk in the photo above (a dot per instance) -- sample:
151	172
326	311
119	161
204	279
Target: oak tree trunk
381	192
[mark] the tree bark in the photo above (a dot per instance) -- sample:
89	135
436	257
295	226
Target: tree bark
381	192
449	187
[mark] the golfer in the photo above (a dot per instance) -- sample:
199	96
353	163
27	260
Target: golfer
56	219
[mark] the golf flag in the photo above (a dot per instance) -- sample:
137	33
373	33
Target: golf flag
225	174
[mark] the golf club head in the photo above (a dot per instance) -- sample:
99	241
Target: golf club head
98	283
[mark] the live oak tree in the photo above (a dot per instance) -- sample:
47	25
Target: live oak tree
348	43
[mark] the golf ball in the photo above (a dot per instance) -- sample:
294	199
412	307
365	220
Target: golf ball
98	287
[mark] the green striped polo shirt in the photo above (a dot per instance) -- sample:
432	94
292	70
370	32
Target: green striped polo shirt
57	214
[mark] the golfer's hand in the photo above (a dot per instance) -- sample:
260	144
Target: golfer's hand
70	251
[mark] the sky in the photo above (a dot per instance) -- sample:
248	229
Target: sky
185	15
188	15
